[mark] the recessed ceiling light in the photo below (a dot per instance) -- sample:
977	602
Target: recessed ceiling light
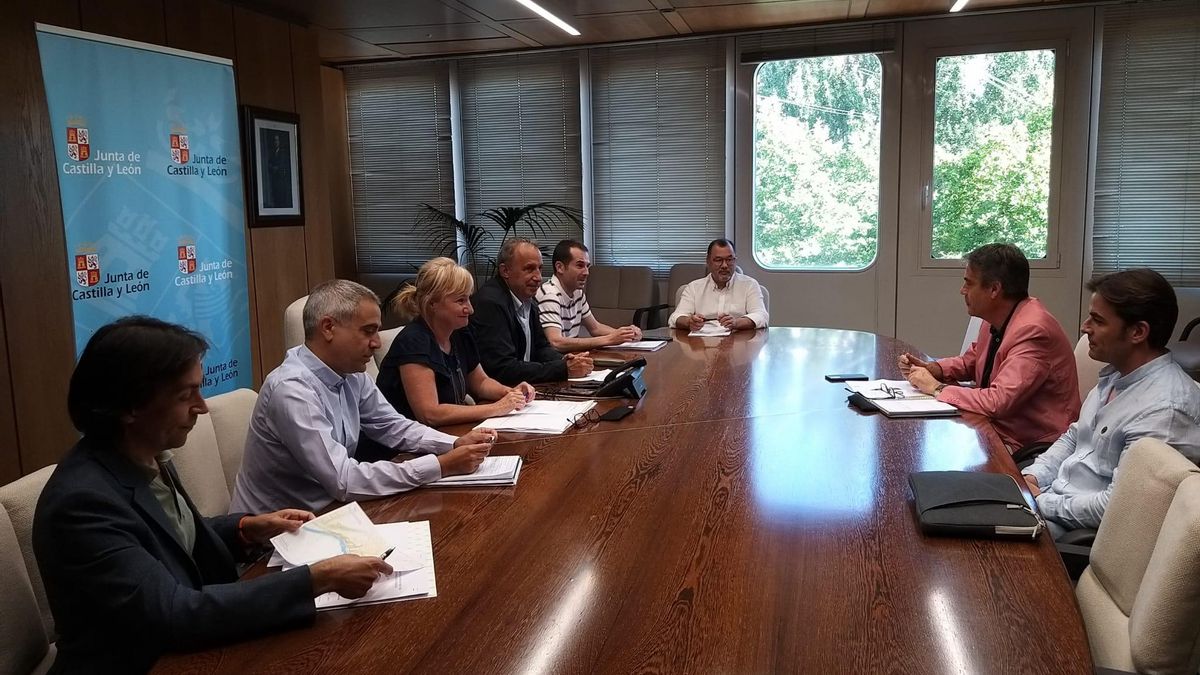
545	14
958	5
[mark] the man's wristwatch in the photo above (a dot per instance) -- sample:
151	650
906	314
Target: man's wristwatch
938	389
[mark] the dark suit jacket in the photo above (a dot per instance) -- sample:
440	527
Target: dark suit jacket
122	588
501	341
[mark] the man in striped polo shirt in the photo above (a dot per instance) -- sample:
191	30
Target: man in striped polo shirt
564	309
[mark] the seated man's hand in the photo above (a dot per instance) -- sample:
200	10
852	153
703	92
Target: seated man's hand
1033	485
465	458
622	335
909	361
579	364
476	436
350	576
695	322
922	380
637	332
259	529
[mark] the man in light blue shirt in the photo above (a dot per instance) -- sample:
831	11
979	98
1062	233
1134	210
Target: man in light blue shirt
313	408
1141	393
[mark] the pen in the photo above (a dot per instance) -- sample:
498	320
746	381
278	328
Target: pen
387	553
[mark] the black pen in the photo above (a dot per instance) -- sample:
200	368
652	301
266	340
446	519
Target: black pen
387	553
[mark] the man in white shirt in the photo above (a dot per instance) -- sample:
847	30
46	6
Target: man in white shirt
725	296
314	407
564	309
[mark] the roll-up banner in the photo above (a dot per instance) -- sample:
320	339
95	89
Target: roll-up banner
150	174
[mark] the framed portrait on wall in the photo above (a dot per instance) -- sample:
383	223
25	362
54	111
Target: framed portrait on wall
272	146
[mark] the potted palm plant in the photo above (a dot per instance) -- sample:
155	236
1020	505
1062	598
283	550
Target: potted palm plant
466	241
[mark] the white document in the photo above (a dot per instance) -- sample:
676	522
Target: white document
539	417
710	329
640	346
343	530
914	407
594	376
500	470
881	389
414	544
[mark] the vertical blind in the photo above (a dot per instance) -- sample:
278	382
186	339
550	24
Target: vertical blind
658	136
1147	193
520	121
400	156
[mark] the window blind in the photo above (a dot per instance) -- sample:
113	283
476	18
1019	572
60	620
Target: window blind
398	119
520	122
802	43
658	137
1147	191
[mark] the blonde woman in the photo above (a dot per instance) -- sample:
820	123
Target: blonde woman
433	364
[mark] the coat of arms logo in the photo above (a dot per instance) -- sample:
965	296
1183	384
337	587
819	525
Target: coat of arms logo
79	148
87	267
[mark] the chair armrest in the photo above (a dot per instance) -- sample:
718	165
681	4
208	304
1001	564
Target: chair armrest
1075	558
646	312
1187	330
1112	671
1024	456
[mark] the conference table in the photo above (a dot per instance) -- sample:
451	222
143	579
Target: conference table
743	519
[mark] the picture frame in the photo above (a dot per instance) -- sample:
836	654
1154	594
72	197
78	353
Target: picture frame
275	189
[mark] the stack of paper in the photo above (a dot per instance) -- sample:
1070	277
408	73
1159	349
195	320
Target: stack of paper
348	530
594	376
343	530
493	471
898	398
412	564
710	329
877	389
639	346
540	417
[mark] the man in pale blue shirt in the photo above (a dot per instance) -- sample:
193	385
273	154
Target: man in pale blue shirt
313	408
1141	393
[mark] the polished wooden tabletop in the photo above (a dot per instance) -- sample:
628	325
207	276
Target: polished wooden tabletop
742	520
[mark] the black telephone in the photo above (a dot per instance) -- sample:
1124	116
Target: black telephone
624	380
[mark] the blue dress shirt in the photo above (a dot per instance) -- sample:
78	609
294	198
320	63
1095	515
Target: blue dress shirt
304	432
1077	473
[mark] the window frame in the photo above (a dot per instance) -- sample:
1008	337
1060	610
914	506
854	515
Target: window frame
1060	45
883	160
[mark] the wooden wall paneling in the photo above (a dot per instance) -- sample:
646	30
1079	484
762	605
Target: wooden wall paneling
306	77
279	279
203	26
264	61
33	264
337	161
140	20
63	13
263	66
10	452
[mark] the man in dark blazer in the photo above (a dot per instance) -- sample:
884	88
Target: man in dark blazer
131	568
506	325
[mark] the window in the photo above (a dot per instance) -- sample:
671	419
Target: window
398	120
658	141
1147	194
816	162
992	134
520	120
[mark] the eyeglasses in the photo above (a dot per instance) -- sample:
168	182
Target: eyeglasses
585	419
892	392
724	261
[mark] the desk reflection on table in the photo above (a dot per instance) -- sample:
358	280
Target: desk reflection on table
743	519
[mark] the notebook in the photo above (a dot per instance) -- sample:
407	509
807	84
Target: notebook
494	471
896	398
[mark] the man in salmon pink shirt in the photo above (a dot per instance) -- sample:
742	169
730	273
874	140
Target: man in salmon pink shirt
1022	364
